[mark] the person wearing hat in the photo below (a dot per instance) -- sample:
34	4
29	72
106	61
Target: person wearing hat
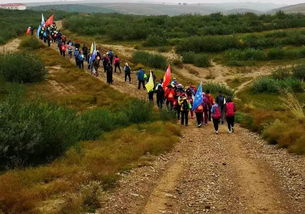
185	106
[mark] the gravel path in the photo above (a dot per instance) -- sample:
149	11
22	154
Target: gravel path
236	173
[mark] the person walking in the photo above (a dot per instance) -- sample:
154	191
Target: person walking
141	78
211	101
85	52
230	114
170	95
117	64
185	106
160	96
109	73
127	71
199	115
63	49
216	115
221	101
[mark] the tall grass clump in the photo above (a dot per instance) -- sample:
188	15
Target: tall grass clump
291	103
150	60
215	88
30	43
21	67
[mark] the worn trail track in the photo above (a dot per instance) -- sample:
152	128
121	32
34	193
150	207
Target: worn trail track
205	172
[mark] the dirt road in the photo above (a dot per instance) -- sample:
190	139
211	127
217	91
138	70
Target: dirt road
205	172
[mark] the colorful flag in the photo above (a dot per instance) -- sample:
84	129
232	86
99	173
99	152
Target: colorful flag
198	97
92	48
42	20
167	77
28	31
150	85
38	30
50	21
93	56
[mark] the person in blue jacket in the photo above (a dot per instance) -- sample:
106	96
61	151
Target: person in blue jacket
141	78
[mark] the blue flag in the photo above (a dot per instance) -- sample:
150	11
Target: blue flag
198	97
38	30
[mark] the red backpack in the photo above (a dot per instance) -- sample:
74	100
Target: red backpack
217	114
230	109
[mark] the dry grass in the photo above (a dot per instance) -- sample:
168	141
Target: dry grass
293	105
33	190
74	87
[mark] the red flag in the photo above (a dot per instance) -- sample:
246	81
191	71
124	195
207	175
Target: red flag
28	31
167	77
50	21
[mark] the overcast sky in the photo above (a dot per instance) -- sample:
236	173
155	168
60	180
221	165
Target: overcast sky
286	2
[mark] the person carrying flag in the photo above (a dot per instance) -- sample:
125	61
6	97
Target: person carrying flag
150	87
198	105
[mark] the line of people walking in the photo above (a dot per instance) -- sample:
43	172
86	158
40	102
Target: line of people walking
175	96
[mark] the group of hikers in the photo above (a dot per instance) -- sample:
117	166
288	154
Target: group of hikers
177	98
109	61
181	99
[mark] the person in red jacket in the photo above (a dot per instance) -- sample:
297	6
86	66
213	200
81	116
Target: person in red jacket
230	114
199	114
206	106
170	95
116	63
211	101
63	49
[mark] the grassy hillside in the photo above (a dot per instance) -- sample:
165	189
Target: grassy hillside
15	23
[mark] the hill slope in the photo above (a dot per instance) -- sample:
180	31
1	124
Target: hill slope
298	8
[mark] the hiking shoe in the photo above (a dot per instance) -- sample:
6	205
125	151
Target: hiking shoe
229	131
199	125
232	129
216	132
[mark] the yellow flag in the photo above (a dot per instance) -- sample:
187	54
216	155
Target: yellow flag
150	85
92	48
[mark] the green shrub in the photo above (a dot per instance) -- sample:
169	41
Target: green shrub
31	43
266	85
36	132
214	88
202	60
299	72
292	84
208	44
155	40
150	60
245	55
281	74
275	53
21	68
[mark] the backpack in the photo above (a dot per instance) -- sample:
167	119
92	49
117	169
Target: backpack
230	109
127	69
217	114
80	57
185	105
76	53
63	48
220	100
